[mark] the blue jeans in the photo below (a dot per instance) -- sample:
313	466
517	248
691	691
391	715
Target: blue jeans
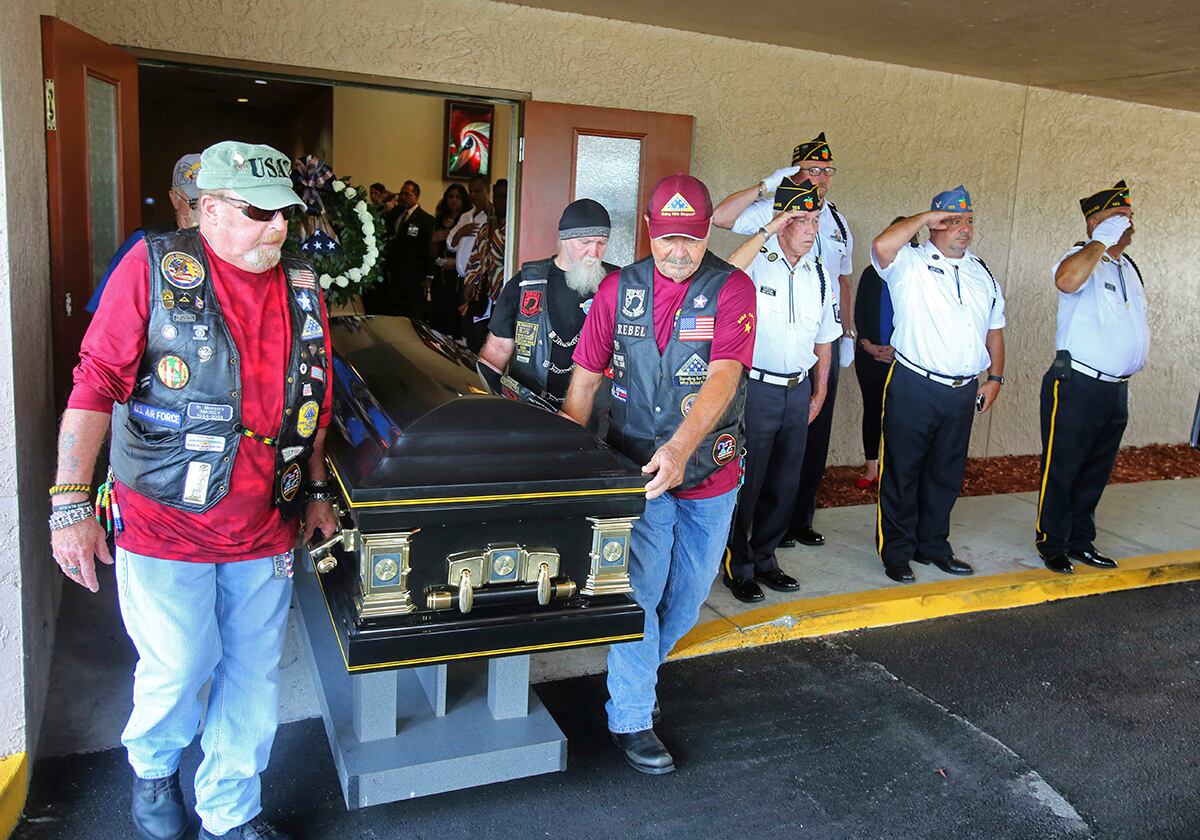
675	552
191	622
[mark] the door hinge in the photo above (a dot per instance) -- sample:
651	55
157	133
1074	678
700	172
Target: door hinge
51	110
521	150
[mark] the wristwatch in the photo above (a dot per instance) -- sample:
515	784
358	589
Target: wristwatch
994	378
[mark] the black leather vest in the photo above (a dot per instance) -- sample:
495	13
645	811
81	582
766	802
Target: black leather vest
530	362
176	438
652	392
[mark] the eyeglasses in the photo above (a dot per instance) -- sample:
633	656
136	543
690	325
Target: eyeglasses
814	171
258	214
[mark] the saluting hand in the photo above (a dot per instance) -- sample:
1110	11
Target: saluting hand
936	219
668	465
75	549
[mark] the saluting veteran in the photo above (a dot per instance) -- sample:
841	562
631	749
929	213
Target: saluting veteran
949	322
677	329
747	210
796	326
1103	340
210	353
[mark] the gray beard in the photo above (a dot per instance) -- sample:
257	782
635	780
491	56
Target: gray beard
584	277
264	257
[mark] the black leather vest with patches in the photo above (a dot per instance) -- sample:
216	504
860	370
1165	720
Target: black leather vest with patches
176	437
530	364
652	392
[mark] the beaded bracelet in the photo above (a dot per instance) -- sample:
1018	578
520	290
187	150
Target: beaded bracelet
60	489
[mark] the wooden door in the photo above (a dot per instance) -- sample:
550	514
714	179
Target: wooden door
612	155
92	170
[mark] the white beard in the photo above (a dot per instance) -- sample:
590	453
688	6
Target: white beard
264	257
584	277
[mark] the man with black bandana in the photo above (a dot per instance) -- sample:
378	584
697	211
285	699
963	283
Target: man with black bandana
540	312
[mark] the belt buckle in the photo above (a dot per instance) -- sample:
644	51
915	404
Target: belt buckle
793	381
957	383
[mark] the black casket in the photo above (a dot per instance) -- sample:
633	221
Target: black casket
476	522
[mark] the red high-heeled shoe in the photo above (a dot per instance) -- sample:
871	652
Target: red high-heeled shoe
862	482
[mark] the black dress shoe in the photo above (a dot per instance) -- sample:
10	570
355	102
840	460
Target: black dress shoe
644	752
950	565
744	589
656	714
806	536
899	572
777	580
788	542
158	811
255	829
1093	558
1060	563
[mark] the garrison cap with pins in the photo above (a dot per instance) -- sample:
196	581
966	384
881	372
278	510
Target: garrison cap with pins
802	196
815	149
259	174
1115	196
957	200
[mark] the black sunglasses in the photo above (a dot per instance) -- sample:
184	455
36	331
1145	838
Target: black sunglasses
258	214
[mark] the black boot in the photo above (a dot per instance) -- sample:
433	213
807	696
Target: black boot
255	829
644	752
157	808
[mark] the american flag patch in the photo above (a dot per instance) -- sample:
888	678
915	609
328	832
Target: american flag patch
302	278
697	328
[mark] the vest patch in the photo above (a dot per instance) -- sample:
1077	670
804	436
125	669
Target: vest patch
204	443
620	393
306	419
697	328
634	305
289	482
173	372
210	411
724	449
524	337
631	330
154	414
290	452
312	329
205	353
586	306
317	373
699	302
693	372
199	332
195	483
531	302
618	361
301	278
688	402
183	271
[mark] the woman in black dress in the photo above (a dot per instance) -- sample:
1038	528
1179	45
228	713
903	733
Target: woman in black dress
447	286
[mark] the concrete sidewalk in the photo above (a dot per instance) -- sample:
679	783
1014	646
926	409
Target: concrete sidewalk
842	588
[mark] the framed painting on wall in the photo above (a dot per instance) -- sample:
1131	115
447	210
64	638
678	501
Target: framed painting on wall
467	141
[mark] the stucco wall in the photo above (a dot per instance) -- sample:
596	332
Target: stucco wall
29	586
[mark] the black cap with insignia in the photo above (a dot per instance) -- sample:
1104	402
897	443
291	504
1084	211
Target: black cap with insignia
1115	196
802	196
814	149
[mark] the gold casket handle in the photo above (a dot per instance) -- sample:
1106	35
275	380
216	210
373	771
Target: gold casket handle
322	554
543	585
466	595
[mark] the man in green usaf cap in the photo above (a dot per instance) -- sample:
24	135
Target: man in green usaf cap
210	353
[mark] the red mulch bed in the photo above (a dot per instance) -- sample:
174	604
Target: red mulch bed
1019	473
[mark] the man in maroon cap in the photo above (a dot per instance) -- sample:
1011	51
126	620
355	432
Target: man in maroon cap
677	329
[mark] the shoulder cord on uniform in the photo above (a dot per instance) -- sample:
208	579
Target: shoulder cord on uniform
1137	270
995	286
837	218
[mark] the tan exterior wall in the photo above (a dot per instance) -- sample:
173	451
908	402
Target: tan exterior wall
899	135
29	583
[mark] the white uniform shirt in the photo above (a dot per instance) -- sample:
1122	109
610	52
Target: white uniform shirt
462	251
793	314
943	309
1103	322
834	248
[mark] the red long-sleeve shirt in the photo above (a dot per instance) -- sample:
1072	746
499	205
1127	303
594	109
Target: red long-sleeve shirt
245	524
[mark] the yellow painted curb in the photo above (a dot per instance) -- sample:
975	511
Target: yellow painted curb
14	779
808	617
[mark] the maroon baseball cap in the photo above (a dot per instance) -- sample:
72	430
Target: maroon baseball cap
680	206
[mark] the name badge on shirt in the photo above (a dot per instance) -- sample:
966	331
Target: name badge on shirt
1110	287
935	269
767	290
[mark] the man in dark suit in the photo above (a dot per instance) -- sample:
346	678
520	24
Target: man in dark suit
407	259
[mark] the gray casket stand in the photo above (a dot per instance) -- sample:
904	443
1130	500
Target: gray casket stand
401	733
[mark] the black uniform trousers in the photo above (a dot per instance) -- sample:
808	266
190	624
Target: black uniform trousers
817	451
923	449
1083	420
871	374
776	430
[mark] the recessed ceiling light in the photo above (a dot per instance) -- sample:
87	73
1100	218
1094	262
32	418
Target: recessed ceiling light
260	81
242	99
